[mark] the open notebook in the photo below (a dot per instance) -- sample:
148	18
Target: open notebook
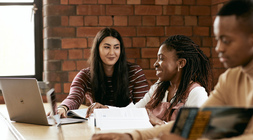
24	102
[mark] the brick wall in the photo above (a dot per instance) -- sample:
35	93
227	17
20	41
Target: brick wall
70	26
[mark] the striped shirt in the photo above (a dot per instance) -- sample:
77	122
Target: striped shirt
80	89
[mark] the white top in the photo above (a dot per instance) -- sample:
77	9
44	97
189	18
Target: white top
196	97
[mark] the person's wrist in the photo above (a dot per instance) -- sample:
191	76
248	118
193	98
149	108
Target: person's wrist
129	136
64	107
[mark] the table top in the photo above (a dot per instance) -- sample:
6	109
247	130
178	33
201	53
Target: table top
76	131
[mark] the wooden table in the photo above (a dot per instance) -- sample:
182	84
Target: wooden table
82	131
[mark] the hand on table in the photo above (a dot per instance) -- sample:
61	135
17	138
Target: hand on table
61	111
111	136
153	119
94	106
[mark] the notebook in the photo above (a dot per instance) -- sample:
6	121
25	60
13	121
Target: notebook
212	122
24	102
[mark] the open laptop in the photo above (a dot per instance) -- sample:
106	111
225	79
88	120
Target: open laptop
24	102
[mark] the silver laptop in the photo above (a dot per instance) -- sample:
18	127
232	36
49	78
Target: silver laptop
24	102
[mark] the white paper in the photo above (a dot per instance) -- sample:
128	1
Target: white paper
121	118
81	113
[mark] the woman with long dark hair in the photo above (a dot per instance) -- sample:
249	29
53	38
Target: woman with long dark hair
184	79
184	74
110	79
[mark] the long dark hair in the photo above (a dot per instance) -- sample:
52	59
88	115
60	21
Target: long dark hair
197	69
120	74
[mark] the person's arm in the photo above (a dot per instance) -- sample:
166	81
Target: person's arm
62	111
77	92
155	132
138	82
221	96
153	119
151	133
93	106
196	97
142	103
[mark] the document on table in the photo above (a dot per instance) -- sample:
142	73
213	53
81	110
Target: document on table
121	118
78	113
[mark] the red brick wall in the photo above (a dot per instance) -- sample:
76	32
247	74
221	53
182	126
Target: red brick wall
70	26
217	66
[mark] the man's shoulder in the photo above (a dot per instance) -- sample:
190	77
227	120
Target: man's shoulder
232	73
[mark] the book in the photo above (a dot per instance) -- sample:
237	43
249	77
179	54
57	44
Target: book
211	122
73	116
77	113
121	118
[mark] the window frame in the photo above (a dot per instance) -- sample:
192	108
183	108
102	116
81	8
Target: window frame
38	38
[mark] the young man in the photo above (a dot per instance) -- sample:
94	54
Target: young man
233	30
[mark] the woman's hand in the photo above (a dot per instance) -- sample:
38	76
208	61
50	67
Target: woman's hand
62	112
153	119
94	106
112	136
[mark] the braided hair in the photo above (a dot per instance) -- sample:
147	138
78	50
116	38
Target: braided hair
197	69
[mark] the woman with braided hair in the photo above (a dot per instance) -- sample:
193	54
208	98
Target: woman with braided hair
183	71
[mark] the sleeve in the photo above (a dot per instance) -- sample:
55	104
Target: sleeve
77	92
142	103
197	97
139	82
151	133
218	97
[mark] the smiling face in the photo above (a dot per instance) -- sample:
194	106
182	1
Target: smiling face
109	51
166	65
234	47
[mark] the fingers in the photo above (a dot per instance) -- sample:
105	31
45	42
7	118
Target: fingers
62	112
90	110
49	113
94	106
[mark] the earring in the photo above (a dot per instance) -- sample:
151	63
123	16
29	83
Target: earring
178	69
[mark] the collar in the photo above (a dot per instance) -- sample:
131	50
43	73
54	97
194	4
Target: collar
249	69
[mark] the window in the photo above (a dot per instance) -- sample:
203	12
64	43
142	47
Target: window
21	41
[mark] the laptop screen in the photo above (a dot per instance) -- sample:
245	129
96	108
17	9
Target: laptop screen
52	101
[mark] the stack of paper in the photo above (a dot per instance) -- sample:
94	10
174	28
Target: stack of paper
121	118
